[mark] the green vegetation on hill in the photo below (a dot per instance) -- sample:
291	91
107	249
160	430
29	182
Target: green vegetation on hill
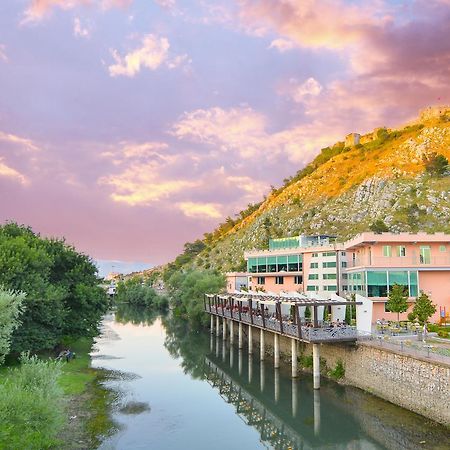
395	180
138	292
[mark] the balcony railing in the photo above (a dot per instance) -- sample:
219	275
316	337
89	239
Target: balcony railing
400	261
286	327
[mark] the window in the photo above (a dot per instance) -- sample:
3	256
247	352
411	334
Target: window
425	254
401	250
387	250
330	288
293	263
298	279
282	263
252	265
377	284
313	276
328	254
262	264
329	276
329	264
344	276
261	280
344	264
314	265
343	253
279	280
312	288
271	264
344	287
315	255
400	278
413	284
442	248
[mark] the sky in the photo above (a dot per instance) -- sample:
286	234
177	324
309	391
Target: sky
133	126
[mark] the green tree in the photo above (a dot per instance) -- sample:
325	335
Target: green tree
11	306
423	308
378	226
435	164
397	301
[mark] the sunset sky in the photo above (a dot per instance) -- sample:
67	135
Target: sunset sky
133	126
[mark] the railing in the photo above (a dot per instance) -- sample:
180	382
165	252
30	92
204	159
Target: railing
308	333
400	261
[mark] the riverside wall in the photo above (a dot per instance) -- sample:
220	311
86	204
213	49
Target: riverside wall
417	384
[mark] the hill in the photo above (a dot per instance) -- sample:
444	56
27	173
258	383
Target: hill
395	177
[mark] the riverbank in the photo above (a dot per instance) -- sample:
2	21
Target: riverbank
87	401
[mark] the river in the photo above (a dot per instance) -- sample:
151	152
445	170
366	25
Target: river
187	390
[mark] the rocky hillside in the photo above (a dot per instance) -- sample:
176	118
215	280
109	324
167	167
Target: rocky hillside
397	177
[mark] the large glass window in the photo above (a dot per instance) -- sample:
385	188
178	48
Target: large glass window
293	263
282	263
262	264
271	263
330	288
425	254
376	284
329	276
329	264
312	288
413	291
400	278
252	265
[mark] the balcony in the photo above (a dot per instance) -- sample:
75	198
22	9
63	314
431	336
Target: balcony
401	261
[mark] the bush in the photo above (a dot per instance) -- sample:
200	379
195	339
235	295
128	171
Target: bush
306	360
339	371
443	334
31	409
137	293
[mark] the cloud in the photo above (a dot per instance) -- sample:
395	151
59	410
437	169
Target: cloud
282	45
9	172
200	210
153	52
79	30
3	56
40	9
17	140
301	91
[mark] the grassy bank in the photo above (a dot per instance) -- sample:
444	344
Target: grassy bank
87	400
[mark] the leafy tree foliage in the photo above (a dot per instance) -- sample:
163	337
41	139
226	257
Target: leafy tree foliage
423	308
397	301
63	296
187	290
136	292
435	164
10	309
379	226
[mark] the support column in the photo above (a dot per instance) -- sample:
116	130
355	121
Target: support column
250	339
212	324
316	366
231	331
276	388
224	329
217	326
240	336
262	346
294	358
276	351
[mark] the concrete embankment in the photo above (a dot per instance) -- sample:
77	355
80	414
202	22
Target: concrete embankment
418	384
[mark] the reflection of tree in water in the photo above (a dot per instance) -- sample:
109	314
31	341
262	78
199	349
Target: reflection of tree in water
189	345
136	315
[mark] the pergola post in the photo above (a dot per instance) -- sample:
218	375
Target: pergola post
250	339
276	350
240	340
316	366
294	358
262	347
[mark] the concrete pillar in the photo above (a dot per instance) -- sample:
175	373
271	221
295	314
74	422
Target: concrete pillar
294	358
316	413
250	339
262	346
316	366
240	338
212	324
276	351
217	326
240	362
250	368
231	332
224	329
276	387
294	397
262	376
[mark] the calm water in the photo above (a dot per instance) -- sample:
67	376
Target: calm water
183	390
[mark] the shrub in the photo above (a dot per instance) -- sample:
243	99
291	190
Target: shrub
306	360
443	334
339	371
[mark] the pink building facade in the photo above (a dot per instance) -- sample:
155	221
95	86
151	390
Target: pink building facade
369	265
